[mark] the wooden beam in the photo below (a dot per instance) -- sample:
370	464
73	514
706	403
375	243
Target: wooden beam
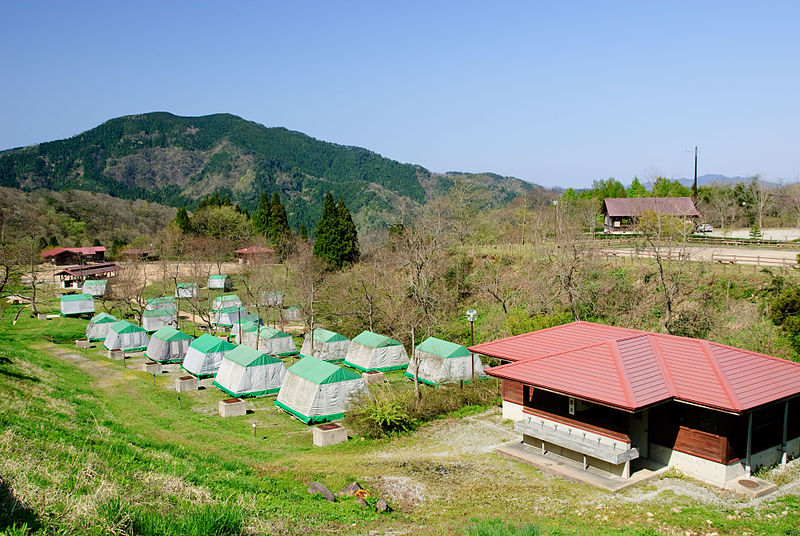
747	465
784	446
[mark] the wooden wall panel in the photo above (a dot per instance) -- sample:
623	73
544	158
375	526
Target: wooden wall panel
512	391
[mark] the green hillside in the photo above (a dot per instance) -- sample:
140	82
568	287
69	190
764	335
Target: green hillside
175	161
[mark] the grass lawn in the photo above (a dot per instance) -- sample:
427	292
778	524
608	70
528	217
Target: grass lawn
91	446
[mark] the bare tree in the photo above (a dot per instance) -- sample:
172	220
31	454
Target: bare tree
129	286
762	196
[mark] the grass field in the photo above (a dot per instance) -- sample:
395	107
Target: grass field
91	446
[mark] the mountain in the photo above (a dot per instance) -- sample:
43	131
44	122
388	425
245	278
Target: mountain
175	161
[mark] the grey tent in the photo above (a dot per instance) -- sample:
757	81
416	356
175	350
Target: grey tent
228	316
443	362
168	345
270	340
186	290
156	319
95	287
327	345
317	391
248	372
126	336
77	304
226	300
246	324
205	354
162	302
370	351
220	282
98	326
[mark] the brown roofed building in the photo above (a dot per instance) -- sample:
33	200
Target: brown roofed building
68	256
622	213
254	254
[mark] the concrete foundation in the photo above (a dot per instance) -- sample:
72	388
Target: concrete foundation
116	355
373	376
152	367
512	411
41	316
329	434
186	383
232	407
83	345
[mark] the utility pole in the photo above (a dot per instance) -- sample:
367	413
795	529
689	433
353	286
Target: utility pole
694	184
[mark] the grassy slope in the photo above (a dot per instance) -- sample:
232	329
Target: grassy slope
91	445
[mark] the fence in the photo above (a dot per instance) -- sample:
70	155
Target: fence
755	260
720	241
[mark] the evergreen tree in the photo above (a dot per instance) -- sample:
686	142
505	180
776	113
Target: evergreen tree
569	196
261	219
326	235
182	219
278	227
348	236
303	231
42	243
637	189
53	241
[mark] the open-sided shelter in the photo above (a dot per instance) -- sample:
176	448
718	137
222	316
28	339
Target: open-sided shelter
370	351
155	319
186	290
604	397
126	336
228	316
248	372
95	287
326	345
317	391
444	362
168	345
77	304
622	214
162	302
220	282
205	354
226	300
98	326
270	340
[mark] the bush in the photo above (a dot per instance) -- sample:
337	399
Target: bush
389	410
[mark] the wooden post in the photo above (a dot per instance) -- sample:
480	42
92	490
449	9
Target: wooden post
585	465
747	465
784	446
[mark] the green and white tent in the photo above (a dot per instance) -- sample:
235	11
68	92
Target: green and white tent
156	319
205	354
98	326
168	345
317	391
186	290
370	351
126	336
77	304
226	300
291	314
443	362
248	372
162	302
228	316
270	340
328	345
95	287
220	282
246	324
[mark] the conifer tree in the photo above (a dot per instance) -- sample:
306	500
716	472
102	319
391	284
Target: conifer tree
182	219
327	231
261	218
278	228
303	231
348	236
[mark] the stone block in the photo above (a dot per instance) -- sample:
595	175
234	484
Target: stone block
329	434
232	407
83	344
116	355
373	376
41	316
186	383
151	367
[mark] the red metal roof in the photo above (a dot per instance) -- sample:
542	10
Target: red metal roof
90	269
634	206
255	250
637	369
88	250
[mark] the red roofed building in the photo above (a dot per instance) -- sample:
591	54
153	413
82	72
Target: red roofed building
606	398
253	254
68	256
621	214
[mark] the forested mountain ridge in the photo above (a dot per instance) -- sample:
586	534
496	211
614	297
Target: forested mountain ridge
175	161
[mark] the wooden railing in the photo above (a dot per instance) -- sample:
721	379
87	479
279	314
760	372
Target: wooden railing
755	260
739	242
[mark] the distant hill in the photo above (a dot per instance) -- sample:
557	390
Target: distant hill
175	161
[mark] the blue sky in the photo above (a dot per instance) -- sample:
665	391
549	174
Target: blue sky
556	93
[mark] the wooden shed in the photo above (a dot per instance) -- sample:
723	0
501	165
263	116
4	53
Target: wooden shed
622	214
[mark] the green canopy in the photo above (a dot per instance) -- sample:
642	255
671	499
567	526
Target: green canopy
248	326
187	285
267	332
373	340
155	313
321	372
441	348
170	334
76	297
233	309
103	318
123	326
161	299
217	276
207	344
249	357
95	282
324	335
